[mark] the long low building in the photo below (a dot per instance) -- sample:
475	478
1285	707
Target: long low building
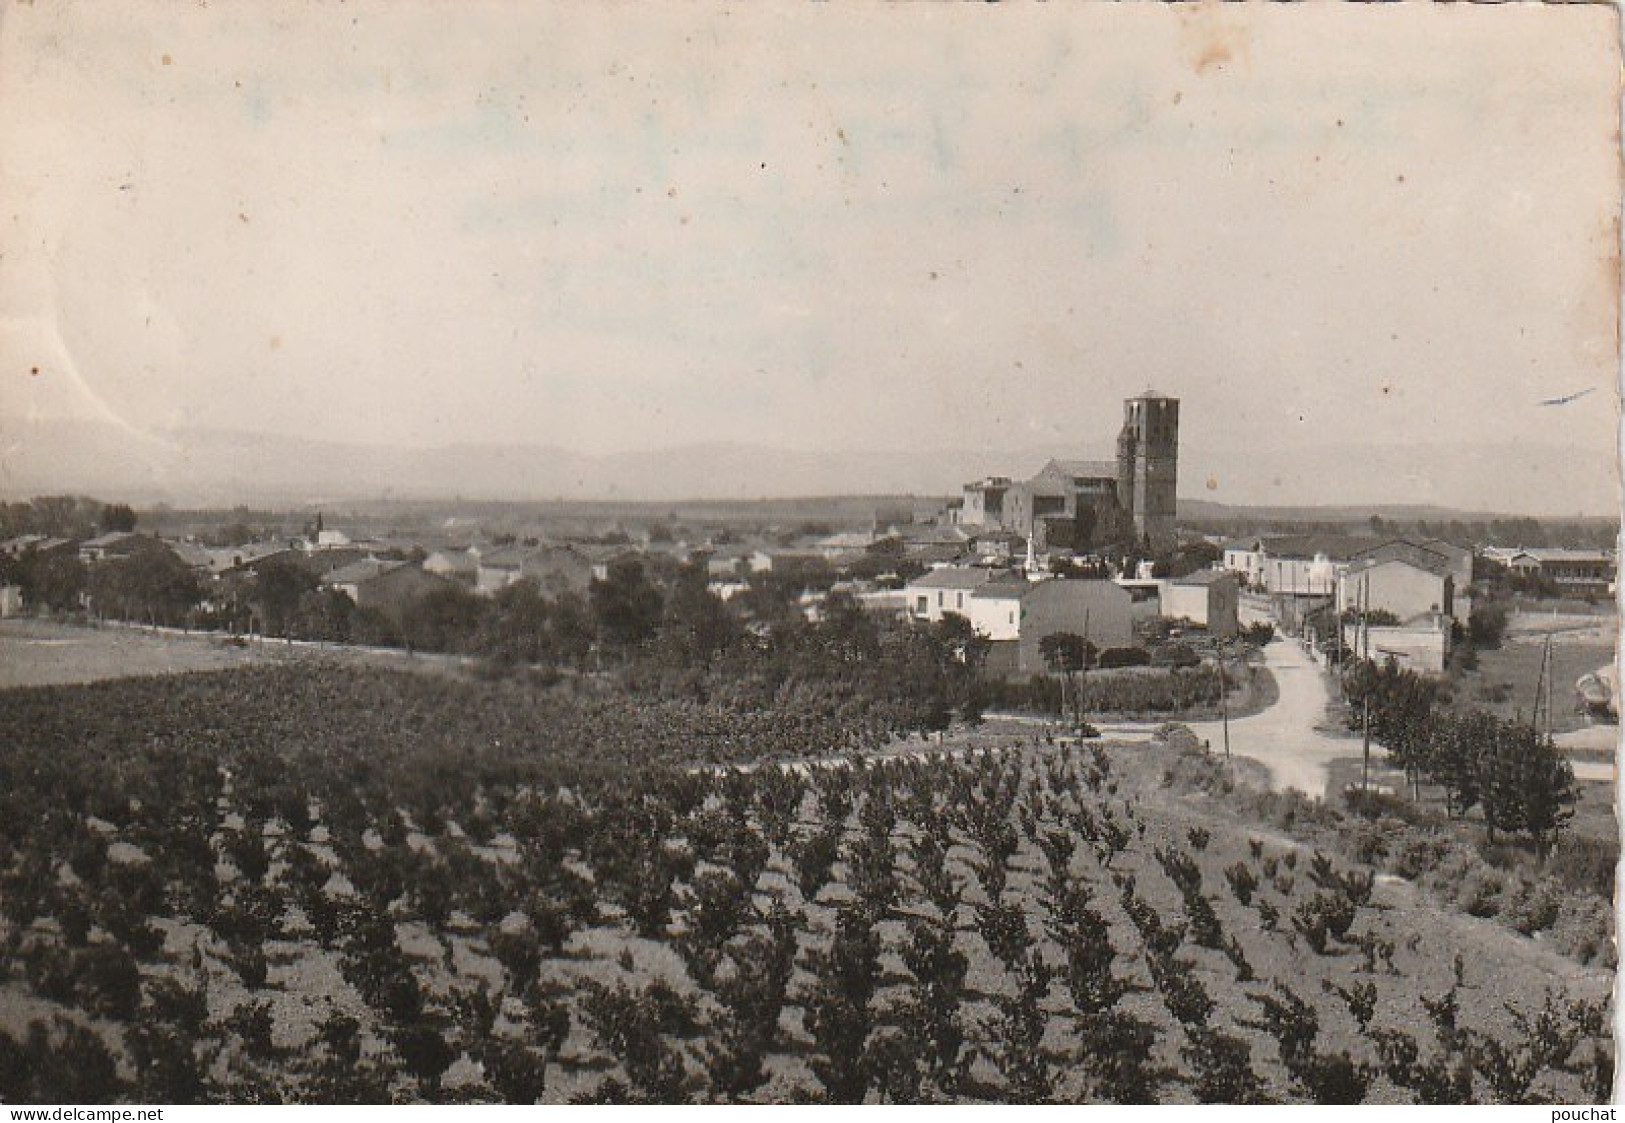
1571	570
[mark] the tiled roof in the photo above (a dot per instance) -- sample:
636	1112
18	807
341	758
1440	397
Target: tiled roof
1439	568
1418	555
364	570
1005	589
1083	469
952	577
1337	547
1545	554
111	538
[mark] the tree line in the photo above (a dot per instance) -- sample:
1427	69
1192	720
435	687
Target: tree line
650	620
1511	771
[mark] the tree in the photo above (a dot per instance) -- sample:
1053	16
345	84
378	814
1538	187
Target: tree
63	516
54	581
696	625
626	605
151	584
324	614
1397	704
1454	743
569	628
278	587
118	517
1529	786
960	652
838	1008
443	619
1066	654
1486	625
515	629
1501	777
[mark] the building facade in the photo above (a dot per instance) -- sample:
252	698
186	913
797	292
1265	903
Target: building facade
1402	586
1210	598
1080	504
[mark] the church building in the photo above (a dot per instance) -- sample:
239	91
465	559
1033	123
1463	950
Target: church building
1085	504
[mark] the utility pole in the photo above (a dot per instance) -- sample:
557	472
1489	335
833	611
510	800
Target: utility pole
1551	673
1224	701
1065	674
1541	718
1365	721
1083	678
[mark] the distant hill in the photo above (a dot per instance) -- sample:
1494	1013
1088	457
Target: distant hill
215	468
1202	509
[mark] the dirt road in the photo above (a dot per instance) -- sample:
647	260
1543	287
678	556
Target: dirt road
1283	738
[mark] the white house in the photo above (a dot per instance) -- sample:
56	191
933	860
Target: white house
1409	590
1208	598
934	594
458	565
1245	558
995	609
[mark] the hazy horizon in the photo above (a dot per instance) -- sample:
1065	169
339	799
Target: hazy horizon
249	468
1354	241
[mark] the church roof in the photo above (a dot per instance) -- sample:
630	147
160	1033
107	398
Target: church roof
1079	470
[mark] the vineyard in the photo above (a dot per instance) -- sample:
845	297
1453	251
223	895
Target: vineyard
286	883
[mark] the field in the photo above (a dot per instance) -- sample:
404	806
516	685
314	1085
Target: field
1506	679
37	652
300	882
42	653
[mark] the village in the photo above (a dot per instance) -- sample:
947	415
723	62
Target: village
1089	548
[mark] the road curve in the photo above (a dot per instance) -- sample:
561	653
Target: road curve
1283	737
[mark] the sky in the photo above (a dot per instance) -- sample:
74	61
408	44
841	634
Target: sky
824	227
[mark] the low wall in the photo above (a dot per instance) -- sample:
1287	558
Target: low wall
1423	648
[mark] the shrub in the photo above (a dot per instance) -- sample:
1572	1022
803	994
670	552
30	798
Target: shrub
632	1026
1321	916
109	980
1585	932
1124	657
1587	864
1534	908
1176	655
1420	855
1373	804
1368	841
1196	772
1479	894
1486	625
1223	1067
1242	882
